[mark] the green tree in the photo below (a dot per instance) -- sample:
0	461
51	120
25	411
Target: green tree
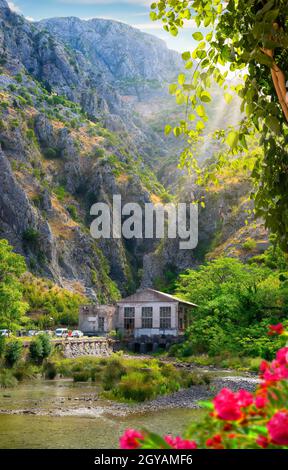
236	302
40	348
12	306
13	353
248	39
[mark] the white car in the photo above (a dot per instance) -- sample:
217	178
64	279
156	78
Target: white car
77	334
5	333
32	333
61	332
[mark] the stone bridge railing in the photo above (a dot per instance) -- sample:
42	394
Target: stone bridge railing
97	347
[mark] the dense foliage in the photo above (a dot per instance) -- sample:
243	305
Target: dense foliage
45	303
40	348
240	420
245	41
237	302
12	306
50	304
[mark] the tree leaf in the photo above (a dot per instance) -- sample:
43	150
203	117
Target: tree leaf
198	36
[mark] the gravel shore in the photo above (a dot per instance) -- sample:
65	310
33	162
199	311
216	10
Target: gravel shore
189	398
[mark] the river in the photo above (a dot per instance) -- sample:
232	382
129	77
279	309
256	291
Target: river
61	414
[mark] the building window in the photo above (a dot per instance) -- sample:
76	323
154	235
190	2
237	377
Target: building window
101	324
147	317
129	318
165	318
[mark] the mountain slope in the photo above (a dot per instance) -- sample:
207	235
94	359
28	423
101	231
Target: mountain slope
77	101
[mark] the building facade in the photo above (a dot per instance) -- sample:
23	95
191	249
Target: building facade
148	313
153	313
97	320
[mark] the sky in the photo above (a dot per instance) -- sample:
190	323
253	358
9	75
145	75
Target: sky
133	12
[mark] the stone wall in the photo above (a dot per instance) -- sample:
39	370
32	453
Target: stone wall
97	347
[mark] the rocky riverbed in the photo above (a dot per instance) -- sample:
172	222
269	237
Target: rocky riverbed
88	403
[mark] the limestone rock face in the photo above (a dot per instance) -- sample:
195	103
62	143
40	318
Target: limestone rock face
77	102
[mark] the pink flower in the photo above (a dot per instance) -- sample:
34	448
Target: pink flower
276	372
215	442
278	428
227	406
262	441
282	356
276	329
264	366
244	398
178	443
130	439
261	402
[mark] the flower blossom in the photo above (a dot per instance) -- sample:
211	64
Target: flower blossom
278	428
130	439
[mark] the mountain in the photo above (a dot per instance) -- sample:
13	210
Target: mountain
81	119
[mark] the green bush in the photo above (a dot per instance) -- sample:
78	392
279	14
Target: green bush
24	371
99	152
51	153
249	245
136	387
49	371
40	348
113	372
82	376
31	235
13	352
73	212
7	379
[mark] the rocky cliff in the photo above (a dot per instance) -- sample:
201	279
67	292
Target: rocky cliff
72	133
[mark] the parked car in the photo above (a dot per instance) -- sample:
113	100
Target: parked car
61	332
5	333
39	333
32	333
77	334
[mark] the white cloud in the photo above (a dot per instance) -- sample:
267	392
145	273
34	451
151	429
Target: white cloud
14	7
30	18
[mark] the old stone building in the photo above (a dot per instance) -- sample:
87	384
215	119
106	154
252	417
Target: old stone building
97	320
146	314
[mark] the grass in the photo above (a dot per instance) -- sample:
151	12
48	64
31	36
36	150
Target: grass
129	380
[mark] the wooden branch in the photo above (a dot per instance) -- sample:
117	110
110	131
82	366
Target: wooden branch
279	82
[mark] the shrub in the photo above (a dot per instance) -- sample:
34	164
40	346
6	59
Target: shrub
24	371
99	152
7	379
19	78
136	387
40	348
82	376
49	371
73	212
113	372
31	235
13	352
249	245
51	153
